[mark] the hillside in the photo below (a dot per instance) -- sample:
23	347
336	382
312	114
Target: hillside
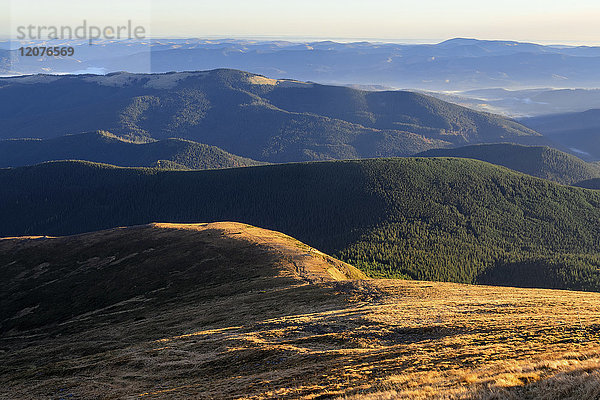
542	162
228	310
247	115
576	131
431	219
104	147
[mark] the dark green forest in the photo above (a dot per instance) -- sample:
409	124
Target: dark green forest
542	162
433	219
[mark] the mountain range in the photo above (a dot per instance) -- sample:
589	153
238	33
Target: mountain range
225	234
456	64
248	115
104	147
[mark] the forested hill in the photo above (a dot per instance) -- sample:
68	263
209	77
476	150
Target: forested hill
543	162
433	219
246	114
105	147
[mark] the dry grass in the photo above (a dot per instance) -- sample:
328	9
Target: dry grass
261	80
318	339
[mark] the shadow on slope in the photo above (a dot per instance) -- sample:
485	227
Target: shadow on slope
50	280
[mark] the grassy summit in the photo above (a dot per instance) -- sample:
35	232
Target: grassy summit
227	310
77	275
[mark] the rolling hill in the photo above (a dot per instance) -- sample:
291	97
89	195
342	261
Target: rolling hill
575	131
431	219
247	115
227	310
104	147
542	162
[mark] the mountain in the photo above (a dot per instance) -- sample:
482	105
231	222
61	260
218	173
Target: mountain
542	162
576	131
457	64
105	147
227	310
247	115
432	219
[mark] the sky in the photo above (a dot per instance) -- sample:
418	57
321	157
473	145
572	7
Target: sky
542	21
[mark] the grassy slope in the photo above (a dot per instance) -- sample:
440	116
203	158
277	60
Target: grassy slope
542	162
247	115
106	148
221	311
433	219
80	274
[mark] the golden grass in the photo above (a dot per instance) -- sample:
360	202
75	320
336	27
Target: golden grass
317	338
301	260
415	340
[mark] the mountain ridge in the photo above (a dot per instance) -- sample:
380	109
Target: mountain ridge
248	115
541	162
456	64
150	254
107	148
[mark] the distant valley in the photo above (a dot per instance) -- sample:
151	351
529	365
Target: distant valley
522	103
578	132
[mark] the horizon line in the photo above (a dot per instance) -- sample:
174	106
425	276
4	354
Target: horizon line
341	40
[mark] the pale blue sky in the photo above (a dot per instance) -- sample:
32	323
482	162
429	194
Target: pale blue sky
527	20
